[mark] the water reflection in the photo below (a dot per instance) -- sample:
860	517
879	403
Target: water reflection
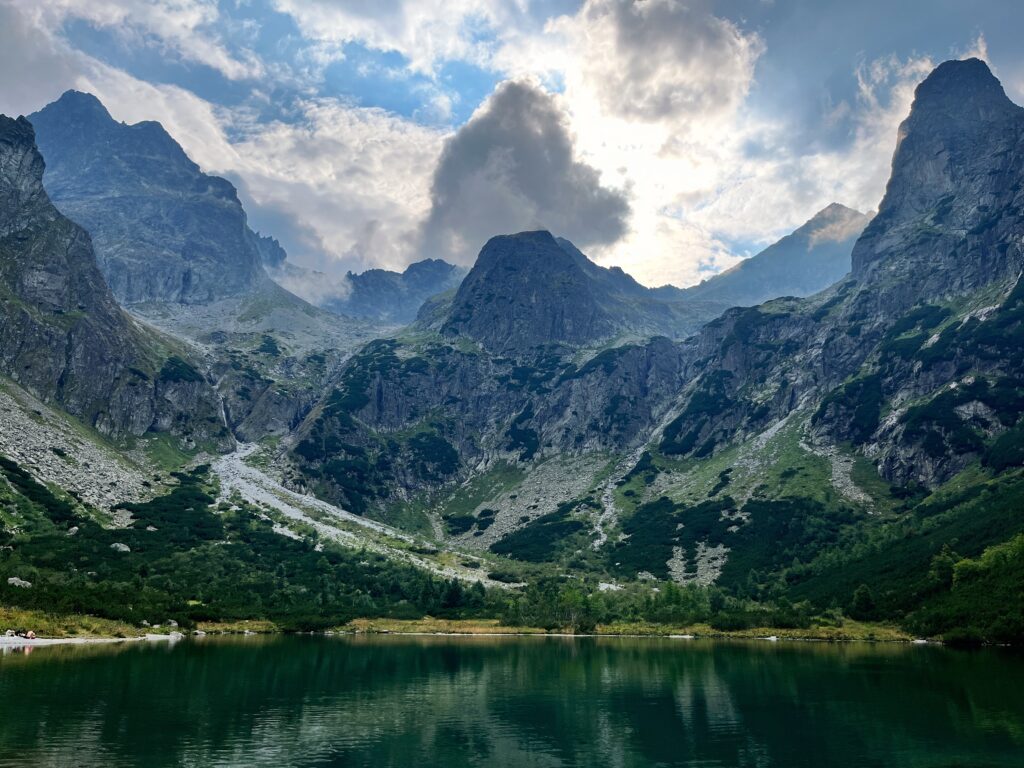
509	702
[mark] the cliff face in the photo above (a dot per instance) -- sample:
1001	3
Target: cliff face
163	230
62	335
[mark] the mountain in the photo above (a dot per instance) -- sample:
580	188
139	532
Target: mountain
530	290
163	229
62	335
930	305
861	426
857	451
175	247
802	263
395	297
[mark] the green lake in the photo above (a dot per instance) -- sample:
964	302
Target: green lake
521	701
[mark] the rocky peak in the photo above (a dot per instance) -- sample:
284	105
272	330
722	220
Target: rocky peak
526	290
958	95
163	229
955	188
82	109
429	270
834	222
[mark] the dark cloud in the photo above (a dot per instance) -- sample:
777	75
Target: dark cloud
511	168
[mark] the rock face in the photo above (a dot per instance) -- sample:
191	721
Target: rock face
530	290
163	230
954	193
62	335
175	247
807	261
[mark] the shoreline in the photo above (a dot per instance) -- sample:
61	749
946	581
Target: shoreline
850	632
40	642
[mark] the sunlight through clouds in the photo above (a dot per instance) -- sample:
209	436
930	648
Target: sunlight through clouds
338	121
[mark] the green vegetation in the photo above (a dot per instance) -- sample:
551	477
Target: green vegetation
181	559
177	370
859	403
980	598
523	439
539	540
709	399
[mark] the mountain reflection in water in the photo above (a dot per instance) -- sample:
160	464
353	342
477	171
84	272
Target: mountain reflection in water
445	701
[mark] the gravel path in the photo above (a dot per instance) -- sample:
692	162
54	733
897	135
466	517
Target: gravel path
258	488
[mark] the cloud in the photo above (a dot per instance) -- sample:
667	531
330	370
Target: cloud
352	182
662	59
315	287
661	103
425	32
513	167
183	27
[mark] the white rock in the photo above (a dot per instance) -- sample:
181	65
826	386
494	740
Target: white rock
119	547
14	581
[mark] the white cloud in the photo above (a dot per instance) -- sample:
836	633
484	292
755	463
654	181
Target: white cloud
655	98
657	93
426	32
181	26
661	59
345	184
353	181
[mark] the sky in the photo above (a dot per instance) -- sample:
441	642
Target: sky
668	137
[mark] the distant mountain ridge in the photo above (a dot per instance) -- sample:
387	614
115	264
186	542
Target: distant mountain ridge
812	258
163	229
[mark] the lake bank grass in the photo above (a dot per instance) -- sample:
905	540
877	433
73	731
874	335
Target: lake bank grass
65	625
47	625
850	630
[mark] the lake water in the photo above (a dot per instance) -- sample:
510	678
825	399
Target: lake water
445	701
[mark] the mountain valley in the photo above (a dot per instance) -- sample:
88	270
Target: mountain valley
831	430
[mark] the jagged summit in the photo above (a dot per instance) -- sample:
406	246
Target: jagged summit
163	229
954	187
526	290
82	106
961	92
